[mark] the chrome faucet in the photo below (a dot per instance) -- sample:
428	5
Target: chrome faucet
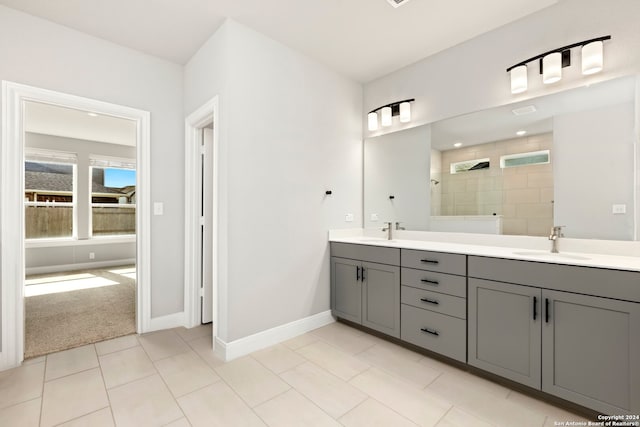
556	233
398	226
388	229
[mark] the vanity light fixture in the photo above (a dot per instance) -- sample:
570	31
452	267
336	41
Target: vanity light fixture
553	61
400	108
92	115
521	132
458	144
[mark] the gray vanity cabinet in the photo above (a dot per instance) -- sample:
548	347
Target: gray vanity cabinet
591	351
582	348
505	330
365	286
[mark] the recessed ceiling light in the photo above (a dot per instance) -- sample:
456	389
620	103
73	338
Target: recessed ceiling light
524	110
458	144
521	132
92	114
397	3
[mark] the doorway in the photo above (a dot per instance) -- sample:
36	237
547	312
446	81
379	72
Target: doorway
202	237
15	97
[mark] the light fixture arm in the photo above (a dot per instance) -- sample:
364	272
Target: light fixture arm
560	50
395	107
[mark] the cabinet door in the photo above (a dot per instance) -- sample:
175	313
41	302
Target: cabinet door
381	298
591	351
504	330
346	289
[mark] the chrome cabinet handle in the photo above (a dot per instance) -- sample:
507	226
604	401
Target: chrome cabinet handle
431	282
430	331
430	301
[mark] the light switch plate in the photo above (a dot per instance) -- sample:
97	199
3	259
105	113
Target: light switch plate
158	208
348	217
374	217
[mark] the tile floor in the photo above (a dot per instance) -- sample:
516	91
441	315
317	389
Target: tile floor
333	376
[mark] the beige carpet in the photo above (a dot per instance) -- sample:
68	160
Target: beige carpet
64	320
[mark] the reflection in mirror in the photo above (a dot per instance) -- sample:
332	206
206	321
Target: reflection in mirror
566	159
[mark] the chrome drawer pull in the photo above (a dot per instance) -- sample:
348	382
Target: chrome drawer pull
430	301
430	331
430	261
432	282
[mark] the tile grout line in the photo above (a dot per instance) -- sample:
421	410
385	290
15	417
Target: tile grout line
113	417
44	375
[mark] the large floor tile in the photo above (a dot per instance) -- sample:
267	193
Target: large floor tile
552	412
457	418
182	422
73	396
21	384
253	382
291	409
101	418
218	406
330	393
348	339
372	413
399	362
195	332
301	341
159	345
25	414
125	366
333	360
185	372
204	347
145	402
278	358
71	361
477	398
116	344
424	409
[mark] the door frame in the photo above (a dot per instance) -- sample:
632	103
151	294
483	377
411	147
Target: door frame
12	220
194	124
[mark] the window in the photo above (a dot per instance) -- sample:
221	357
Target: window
49	194
469	165
525	159
113	197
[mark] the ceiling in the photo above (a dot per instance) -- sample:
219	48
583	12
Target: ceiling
66	122
362	39
500	123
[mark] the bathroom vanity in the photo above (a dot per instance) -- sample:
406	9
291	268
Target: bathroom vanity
565	324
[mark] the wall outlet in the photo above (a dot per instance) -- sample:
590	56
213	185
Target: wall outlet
619	209
92	255
374	217
348	217
158	208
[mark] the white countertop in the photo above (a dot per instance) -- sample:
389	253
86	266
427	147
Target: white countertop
617	262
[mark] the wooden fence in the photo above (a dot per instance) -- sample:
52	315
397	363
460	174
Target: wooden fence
43	222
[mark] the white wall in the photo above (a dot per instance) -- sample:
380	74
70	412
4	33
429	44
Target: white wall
39	53
291	130
398	164
472	76
594	148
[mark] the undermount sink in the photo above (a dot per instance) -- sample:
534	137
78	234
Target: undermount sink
549	255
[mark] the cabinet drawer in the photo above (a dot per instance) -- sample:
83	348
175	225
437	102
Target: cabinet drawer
448	334
432	281
434	261
440	303
379	254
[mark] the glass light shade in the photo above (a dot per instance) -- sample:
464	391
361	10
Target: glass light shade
405	112
552	68
372	119
386	116
519	79
592	58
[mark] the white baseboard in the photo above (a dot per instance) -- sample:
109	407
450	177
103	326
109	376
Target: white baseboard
79	266
166	322
243	346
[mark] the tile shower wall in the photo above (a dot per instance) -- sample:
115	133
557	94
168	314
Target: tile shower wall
523	195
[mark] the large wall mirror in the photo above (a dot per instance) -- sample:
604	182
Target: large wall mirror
564	159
